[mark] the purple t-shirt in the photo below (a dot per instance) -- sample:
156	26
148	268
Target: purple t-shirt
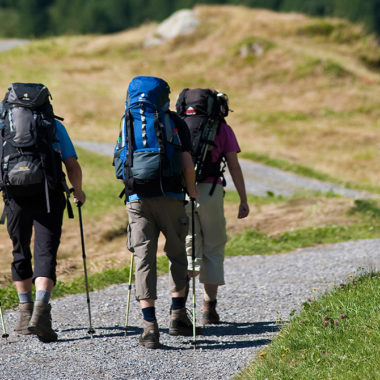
225	142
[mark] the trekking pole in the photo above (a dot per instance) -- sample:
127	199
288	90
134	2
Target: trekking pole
129	294
5	335
194	342
90	331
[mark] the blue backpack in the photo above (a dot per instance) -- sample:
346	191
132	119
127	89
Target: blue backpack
148	152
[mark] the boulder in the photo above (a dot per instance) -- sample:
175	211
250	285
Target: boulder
184	21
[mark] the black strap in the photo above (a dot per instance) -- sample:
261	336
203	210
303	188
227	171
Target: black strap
3	217
129	129
159	129
121	195
68	192
69	208
221	174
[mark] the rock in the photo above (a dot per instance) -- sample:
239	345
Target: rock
251	49
182	22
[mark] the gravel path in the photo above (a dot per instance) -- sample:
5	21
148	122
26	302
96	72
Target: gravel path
11	43
259	290
259	178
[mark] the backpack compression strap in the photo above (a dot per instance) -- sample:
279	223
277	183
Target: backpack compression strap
128	178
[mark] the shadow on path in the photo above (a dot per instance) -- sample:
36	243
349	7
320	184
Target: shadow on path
116	331
242	328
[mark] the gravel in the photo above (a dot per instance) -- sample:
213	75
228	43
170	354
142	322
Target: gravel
11	43
260	290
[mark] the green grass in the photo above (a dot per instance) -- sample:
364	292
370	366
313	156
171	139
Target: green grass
252	242
99	183
335	337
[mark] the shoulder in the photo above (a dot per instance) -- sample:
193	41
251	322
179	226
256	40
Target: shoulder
66	146
60	128
228	139
226	129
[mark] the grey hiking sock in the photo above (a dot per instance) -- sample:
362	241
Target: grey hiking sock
25	297
43	295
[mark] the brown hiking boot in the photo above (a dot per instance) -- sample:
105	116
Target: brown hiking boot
26	310
209	314
40	323
180	323
150	336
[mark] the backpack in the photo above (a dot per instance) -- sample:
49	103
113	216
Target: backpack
29	165
204	110
147	155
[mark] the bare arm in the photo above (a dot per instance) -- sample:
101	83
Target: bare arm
74	172
189	174
238	179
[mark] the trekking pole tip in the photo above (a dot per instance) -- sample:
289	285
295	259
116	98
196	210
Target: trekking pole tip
91	331
5	336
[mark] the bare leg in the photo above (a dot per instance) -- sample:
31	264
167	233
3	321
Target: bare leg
44	283
210	292
24	286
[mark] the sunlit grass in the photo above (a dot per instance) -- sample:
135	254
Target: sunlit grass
335	337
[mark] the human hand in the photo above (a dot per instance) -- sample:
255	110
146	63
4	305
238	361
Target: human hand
243	210
194	193
79	197
192	273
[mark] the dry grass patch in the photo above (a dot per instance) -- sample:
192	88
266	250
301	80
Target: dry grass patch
294	214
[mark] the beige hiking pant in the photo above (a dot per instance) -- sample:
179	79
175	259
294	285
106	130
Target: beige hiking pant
210	235
147	217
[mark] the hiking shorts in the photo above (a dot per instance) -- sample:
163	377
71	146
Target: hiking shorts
24	214
210	235
147	218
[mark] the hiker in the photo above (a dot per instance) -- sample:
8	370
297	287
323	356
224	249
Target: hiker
33	145
152	156
204	111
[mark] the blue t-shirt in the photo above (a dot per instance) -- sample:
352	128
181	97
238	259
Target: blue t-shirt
64	146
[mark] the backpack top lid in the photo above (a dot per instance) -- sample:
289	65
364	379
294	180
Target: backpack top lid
150	90
29	95
202	102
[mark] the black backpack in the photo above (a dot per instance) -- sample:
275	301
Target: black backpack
204	110
29	165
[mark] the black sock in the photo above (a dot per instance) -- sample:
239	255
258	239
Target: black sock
149	313
178	303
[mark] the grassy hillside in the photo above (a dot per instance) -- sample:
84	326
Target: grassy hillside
311	97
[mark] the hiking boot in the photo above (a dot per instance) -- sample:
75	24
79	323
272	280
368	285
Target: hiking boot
150	335
26	310
40	323
209	314
180	323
